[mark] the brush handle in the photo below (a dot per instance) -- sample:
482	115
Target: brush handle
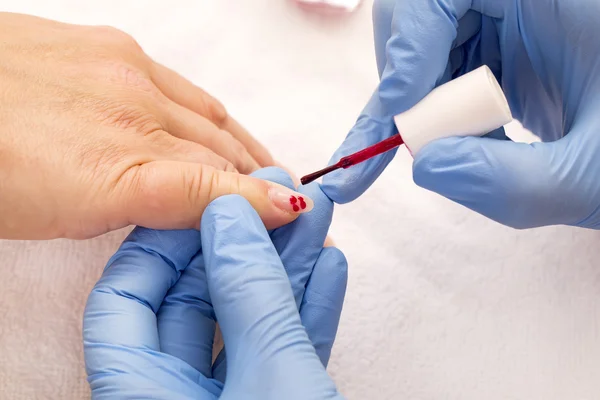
378	148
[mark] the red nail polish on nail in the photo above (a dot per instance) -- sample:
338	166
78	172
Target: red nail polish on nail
289	201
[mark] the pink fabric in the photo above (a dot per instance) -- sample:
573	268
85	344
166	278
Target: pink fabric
43	291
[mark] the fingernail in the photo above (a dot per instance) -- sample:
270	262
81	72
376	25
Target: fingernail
289	201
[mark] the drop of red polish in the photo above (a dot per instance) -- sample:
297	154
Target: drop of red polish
302	203
296	208
293	199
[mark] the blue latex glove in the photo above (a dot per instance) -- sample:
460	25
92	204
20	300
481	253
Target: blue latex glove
150	321
546	53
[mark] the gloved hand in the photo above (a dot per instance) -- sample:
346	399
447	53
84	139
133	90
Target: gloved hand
150	321
546	55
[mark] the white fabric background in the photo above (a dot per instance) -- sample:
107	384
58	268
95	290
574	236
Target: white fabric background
441	303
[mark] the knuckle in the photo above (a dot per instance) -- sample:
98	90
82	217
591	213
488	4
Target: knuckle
237	147
98	160
239	155
130	77
128	187
193	188
128	116
214	110
143	184
221	184
229	167
214	185
232	150
143	123
117	37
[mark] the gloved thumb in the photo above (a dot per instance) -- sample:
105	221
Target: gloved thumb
517	184
269	354
173	195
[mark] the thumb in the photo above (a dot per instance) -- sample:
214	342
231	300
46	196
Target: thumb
269	353
173	195
517	184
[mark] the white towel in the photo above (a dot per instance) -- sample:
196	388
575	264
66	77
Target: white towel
441	303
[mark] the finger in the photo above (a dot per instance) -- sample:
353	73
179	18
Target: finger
383	10
173	195
409	75
254	147
516	184
169	148
254	305
186	94
299	244
323	300
281	177
188	125
121	308
186	320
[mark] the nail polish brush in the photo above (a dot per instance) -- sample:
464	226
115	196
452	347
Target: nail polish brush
470	105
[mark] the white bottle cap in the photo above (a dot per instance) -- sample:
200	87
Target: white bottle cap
470	105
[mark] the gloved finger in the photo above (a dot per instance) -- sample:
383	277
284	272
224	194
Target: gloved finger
254	304
281	177
299	244
186	320
383	11
323	301
139	374
320	320
516	184
120	310
171	195
190	96
186	124
276	175
410	73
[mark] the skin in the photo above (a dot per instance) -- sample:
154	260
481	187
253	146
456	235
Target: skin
95	136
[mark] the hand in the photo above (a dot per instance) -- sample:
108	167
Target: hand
95	136
548	60
150	321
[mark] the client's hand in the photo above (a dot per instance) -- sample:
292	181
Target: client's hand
95	136
150	321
